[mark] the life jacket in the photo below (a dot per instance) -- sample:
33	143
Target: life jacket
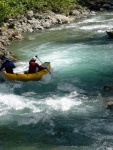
9	66
33	65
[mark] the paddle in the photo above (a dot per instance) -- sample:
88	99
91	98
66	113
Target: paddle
44	66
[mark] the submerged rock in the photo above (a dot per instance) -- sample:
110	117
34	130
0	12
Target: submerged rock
109	105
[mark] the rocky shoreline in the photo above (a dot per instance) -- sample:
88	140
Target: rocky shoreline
13	29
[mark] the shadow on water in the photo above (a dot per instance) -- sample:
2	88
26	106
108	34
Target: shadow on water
95	40
55	132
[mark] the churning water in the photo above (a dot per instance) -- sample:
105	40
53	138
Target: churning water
66	111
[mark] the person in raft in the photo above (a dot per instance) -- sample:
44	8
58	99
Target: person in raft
33	66
7	64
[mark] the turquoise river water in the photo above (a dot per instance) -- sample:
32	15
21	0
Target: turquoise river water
66	111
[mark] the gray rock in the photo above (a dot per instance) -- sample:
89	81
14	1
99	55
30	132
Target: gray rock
30	13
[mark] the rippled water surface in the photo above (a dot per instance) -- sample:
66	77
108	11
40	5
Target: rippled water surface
66	111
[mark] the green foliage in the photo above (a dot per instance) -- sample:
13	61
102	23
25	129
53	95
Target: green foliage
10	8
61	6
13	8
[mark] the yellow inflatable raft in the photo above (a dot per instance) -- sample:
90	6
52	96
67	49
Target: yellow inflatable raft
28	77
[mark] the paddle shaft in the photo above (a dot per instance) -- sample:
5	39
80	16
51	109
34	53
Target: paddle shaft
44	66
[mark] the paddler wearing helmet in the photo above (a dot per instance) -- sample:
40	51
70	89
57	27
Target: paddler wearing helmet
33	66
8	65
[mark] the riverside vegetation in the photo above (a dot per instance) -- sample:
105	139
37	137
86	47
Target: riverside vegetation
14	8
18	16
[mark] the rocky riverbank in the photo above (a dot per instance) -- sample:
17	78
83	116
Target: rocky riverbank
13	29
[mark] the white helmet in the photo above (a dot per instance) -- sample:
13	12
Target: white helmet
34	58
7	57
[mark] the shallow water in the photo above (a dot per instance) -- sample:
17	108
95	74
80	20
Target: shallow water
66	111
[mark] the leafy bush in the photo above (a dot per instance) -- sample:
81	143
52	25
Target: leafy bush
13	8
